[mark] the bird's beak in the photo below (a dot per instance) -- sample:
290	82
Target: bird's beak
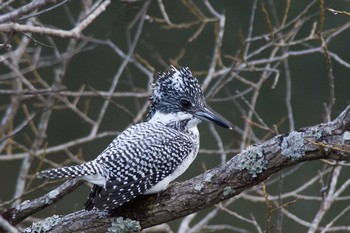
208	115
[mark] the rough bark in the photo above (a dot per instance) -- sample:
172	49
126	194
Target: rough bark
248	168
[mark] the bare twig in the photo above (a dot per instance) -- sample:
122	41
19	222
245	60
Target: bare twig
74	33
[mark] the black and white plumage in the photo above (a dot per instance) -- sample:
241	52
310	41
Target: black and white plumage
146	157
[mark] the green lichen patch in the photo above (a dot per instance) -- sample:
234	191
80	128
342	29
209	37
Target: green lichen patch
293	146
227	191
43	226
251	159
120	225
199	187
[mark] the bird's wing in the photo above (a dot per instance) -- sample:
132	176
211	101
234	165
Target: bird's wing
117	193
95	190
139	164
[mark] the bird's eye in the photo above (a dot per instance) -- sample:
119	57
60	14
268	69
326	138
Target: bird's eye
185	104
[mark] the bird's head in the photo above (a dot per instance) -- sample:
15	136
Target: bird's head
178	97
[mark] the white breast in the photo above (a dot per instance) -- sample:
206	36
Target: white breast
162	185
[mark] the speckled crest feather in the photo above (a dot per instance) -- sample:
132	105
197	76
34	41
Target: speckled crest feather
174	83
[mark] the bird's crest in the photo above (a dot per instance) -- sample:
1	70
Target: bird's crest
174	83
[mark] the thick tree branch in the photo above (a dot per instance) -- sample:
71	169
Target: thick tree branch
27	208
249	168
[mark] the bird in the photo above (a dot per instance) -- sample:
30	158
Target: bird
147	156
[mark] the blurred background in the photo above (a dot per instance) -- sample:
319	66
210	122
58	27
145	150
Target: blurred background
267	66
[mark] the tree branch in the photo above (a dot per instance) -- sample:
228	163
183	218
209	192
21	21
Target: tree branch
16	14
73	33
250	167
28	208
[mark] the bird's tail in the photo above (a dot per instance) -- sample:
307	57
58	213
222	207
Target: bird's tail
68	172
